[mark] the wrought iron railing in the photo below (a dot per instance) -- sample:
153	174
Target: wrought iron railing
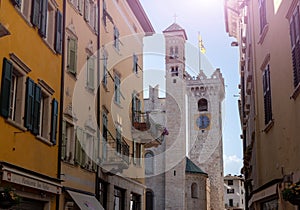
140	120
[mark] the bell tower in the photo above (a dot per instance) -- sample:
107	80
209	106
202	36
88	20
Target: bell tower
175	153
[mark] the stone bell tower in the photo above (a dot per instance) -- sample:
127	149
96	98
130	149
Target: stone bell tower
205	96
175	38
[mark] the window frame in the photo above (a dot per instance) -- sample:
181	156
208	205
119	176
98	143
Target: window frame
70	69
90	80
262	15
117	89
267	94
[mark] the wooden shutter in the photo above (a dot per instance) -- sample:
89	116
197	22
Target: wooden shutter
37	109
58	34
267	95
86	10
80	6
96	18
29	104
7	69
64	141
43	22
91	70
72	55
54	116
78	145
36	12
135	63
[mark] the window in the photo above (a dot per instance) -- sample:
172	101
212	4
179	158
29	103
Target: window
39	117
149	163
24	6
68	142
50	24
105	73
149	199
119	140
267	95
194	190
90	72
117	89
202	105
12	92
262	14
137	150
135	64
104	135
230	191
176	51
72	56
136	107
231	202
87	10
171	52
270	205
135	201
103	193
174	71
295	43
116	38
119	201
230	182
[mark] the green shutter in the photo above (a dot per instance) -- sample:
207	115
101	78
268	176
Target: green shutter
64	141
54	116
7	69
36	13
36	110
86	10
43	21
72	55
29	104
90	70
78	140
58	34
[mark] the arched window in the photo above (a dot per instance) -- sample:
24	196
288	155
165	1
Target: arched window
171	52
194	190
176	51
202	105
149	165
149	199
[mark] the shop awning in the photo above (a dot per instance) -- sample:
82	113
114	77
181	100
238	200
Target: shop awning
85	202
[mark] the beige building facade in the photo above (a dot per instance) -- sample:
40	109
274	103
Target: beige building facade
267	35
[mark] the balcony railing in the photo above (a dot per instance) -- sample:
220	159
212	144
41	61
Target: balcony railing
115	153
140	120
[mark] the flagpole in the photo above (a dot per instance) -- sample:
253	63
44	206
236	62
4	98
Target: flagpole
199	51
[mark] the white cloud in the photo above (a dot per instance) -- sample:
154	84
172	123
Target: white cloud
232	164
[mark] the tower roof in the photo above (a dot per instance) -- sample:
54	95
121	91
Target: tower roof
175	28
191	167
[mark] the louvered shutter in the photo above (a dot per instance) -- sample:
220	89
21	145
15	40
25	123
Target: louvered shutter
54	117
37	109
7	69
43	21
58	34
64	141
29	104
86	10
36	13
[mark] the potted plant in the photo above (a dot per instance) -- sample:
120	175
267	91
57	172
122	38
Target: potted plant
292	193
8	198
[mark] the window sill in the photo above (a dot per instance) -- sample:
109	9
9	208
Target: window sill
263	34
90	90
16	124
44	140
73	76
296	92
118	104
50	46
105	86
268	126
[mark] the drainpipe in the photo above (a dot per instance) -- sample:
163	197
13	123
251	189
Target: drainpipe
62	87
98	103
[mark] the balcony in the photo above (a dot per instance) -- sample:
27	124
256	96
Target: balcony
146	131
115	154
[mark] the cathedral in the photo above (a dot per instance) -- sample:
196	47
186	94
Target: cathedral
186	170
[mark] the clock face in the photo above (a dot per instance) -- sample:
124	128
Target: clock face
202	121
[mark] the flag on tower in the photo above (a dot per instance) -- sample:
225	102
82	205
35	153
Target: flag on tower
201	46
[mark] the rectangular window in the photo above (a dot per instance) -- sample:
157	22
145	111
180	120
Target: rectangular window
117	90
50	24
230	202
270	205
90	72
105	73
119	140
135	64
230	191
87	10
116	38
68	142
137	153
262	14
103	193
45	115
119	199
135	201
72	56
267	95
25	7
295	43
230	182
104	135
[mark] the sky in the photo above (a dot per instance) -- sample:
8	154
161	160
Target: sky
207	18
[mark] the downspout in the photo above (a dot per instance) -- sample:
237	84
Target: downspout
61	106
98	104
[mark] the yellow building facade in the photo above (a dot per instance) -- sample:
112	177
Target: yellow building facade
31	37
267	33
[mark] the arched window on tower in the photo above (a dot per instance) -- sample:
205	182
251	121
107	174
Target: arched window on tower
149	164
194	190
202	105
171	52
